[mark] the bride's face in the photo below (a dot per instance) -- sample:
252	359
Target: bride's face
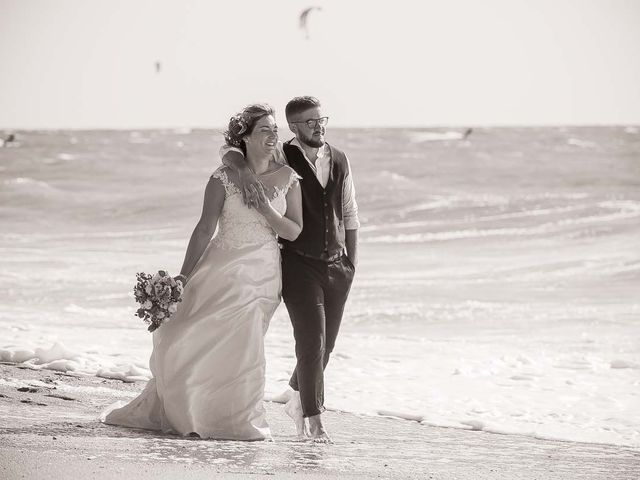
264	137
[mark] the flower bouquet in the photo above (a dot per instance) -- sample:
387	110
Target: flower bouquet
158	296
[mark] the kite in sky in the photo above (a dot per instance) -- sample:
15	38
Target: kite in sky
304	17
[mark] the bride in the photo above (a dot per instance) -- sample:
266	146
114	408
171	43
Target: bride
208	362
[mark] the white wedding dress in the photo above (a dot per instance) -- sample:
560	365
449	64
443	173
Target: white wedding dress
208	361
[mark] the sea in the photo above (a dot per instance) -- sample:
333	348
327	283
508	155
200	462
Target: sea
498	285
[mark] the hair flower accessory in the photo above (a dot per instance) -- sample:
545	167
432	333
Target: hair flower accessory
238	125
242	123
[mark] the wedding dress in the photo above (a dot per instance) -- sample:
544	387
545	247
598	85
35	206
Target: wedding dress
208	361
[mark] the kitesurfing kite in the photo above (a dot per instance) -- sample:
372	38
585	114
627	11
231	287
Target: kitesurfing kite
303	19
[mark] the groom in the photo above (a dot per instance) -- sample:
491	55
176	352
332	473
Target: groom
317	267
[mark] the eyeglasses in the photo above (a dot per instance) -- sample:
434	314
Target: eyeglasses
314	122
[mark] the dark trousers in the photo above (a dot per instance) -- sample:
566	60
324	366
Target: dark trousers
314	292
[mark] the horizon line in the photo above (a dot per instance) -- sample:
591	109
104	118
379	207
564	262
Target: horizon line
337	127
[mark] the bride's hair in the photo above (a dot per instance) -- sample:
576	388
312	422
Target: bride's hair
242	123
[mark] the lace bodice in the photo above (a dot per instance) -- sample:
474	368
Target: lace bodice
240	226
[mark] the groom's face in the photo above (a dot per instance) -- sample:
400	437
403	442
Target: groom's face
312	136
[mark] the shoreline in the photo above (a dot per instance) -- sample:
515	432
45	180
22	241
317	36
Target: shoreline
50	429
65	362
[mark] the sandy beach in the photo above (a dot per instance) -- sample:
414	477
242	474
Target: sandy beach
49	429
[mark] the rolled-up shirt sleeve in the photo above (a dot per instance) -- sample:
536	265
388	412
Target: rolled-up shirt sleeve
278	155
349	204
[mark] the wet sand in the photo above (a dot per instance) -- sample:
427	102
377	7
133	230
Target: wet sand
49	430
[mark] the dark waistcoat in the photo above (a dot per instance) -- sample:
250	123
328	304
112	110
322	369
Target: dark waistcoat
322	233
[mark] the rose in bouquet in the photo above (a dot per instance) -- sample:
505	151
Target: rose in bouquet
158	296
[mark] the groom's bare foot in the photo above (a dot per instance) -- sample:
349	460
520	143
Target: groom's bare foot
317	432
293	408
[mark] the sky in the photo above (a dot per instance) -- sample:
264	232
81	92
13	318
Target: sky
92	63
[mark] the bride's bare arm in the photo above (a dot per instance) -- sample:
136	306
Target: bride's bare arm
213	201
289	225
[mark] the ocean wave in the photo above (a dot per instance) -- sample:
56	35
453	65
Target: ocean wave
545	228
27	191
490	200
60	358
443	202
386	175
456	201
556	196
27	182
623	209
450	235
98	312
597	269
80	235
576	142
419	137
136	137
485	201
536	212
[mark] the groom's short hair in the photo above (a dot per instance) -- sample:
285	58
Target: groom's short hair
300	104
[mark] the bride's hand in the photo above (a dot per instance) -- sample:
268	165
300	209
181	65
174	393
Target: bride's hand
262	205
181	278
249	182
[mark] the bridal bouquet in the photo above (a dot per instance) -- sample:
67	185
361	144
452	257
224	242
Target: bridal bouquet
158	296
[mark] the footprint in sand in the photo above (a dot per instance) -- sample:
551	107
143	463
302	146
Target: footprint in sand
522	378
63	397
28	389
29	401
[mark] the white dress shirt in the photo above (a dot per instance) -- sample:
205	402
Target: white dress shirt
322	169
